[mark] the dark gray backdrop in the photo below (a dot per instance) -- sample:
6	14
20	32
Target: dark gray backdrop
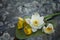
11	9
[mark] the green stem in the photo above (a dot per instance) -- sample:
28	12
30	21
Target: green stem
51	15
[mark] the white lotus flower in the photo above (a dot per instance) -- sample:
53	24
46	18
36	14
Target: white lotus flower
49	29
36	22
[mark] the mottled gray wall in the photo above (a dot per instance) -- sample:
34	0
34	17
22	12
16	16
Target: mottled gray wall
11	9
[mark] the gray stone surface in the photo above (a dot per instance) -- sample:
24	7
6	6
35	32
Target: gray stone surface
11	9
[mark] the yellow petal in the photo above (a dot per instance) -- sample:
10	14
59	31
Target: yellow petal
20	23
25	23
27	30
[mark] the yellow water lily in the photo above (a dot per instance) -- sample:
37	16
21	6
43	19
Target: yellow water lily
49	29
20	23
27	30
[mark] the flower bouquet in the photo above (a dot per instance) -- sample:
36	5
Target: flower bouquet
35	25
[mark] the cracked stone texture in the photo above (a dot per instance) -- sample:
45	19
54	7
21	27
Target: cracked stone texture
11	9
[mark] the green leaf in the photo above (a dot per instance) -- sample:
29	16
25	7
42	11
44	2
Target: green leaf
50	16
21	35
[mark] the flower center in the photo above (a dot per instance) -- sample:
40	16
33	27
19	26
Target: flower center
35	22
49	29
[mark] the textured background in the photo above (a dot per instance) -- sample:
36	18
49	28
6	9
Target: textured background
11	9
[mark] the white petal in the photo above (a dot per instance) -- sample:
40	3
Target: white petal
42	18
34	27
39	27
36	15
28	20
41	23
34	30
50	25
43	28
